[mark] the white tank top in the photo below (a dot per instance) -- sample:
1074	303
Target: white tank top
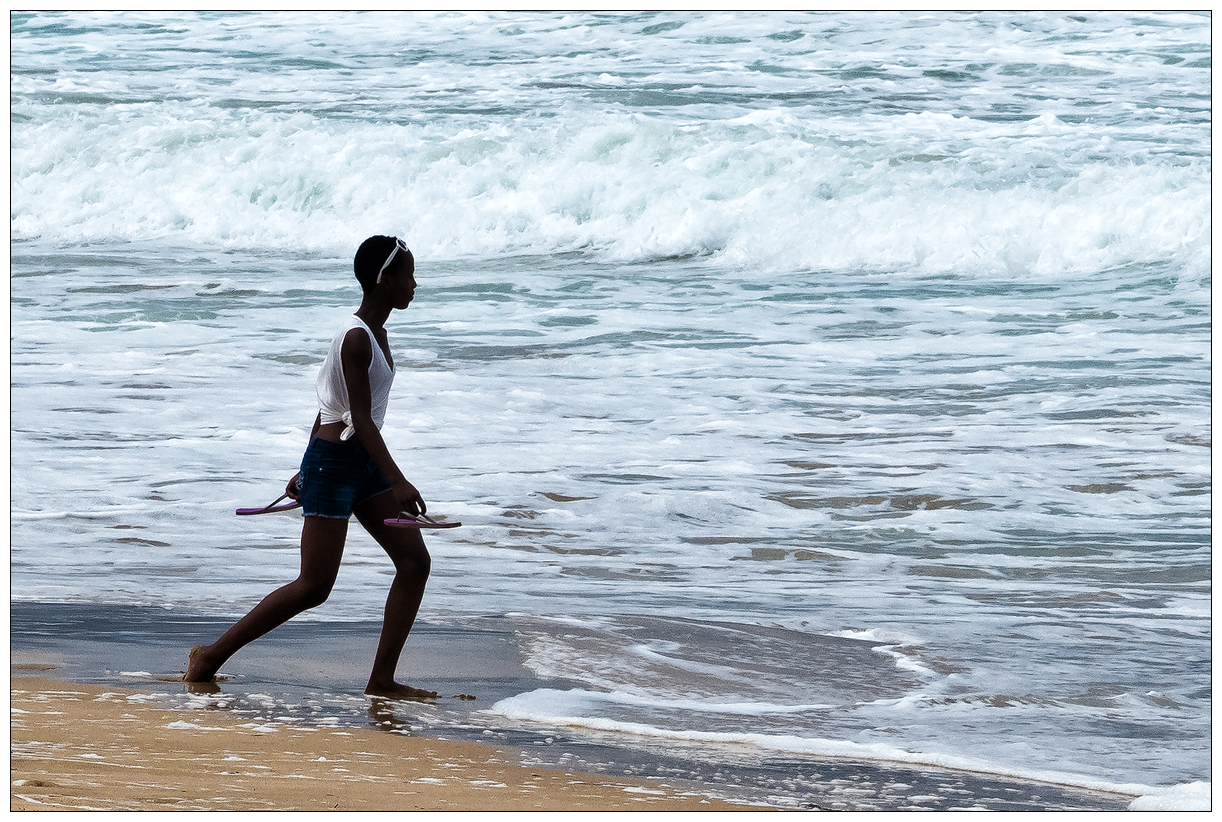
333	391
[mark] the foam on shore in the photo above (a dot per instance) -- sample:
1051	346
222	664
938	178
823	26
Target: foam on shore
541	707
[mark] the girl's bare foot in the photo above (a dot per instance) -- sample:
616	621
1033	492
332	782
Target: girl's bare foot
199	669
394	690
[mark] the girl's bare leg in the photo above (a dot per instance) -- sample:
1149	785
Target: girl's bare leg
412	563
322	547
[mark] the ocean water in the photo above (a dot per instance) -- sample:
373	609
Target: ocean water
806	383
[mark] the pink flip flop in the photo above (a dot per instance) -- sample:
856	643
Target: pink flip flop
421	521
269	509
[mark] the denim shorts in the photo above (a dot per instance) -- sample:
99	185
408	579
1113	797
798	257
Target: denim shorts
336	477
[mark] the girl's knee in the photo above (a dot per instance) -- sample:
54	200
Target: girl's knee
415	562
313	593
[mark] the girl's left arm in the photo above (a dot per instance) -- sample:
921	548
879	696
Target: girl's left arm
356	353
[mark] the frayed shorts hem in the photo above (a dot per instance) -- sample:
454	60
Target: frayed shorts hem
341	516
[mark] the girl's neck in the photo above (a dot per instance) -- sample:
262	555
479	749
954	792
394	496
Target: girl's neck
373	314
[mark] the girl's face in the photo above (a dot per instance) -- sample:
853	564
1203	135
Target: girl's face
400	277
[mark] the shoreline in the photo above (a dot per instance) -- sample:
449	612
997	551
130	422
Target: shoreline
97	748
303	680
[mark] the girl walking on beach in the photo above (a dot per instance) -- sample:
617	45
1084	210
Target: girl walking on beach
348	470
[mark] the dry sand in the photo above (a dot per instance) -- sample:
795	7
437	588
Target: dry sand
85	747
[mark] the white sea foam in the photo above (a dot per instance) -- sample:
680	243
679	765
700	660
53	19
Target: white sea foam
1194	796
753	182
883	636
556	699
183	725
548	707
545	188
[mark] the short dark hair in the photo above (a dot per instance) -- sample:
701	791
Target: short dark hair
370	258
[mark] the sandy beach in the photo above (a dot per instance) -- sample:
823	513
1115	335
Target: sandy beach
81	747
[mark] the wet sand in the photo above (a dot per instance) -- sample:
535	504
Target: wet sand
87	747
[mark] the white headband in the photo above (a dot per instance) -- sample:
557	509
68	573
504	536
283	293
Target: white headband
398	244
